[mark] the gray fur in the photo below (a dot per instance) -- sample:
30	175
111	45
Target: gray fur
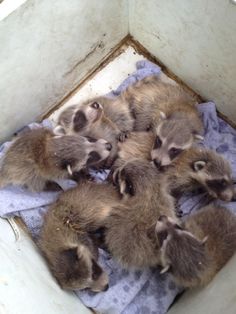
169	111
183	175
68	225
39	156
111	121
195	253
130	227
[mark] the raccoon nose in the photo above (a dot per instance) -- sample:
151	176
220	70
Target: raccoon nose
157	163
108	146
227	196
106	287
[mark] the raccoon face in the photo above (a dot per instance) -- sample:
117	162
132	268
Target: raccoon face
95	151
76	269
173	136
86	115
214	173
99	150
78	118
180	249
74	153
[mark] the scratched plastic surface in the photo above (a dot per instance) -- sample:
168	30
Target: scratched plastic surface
26	286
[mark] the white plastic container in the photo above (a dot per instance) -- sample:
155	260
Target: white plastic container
48	48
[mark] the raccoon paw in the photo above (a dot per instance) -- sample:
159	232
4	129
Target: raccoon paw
122	136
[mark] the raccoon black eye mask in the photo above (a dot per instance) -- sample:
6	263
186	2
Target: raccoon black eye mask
80	121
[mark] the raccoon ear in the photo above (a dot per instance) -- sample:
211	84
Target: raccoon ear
68	167
165	269
115	177
204	240
162	115
198	137
199	165
126	184
59	130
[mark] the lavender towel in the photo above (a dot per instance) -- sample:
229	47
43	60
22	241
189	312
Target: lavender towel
130	292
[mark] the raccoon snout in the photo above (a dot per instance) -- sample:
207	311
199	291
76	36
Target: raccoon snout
101	284
106	288
227	196
108	146
158	165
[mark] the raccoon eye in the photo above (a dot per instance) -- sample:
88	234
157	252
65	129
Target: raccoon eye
91	139
93	158
217	185
80	121
70	255
158	143
174	152
223	183
95	105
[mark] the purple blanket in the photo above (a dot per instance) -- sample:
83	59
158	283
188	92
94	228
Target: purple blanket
130	292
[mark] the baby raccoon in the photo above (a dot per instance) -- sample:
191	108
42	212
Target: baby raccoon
66	237
172	137
169	111
201	168
130	227
118	111
196	250
98	118
194	168
150	96
112	111
38	157
147	145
